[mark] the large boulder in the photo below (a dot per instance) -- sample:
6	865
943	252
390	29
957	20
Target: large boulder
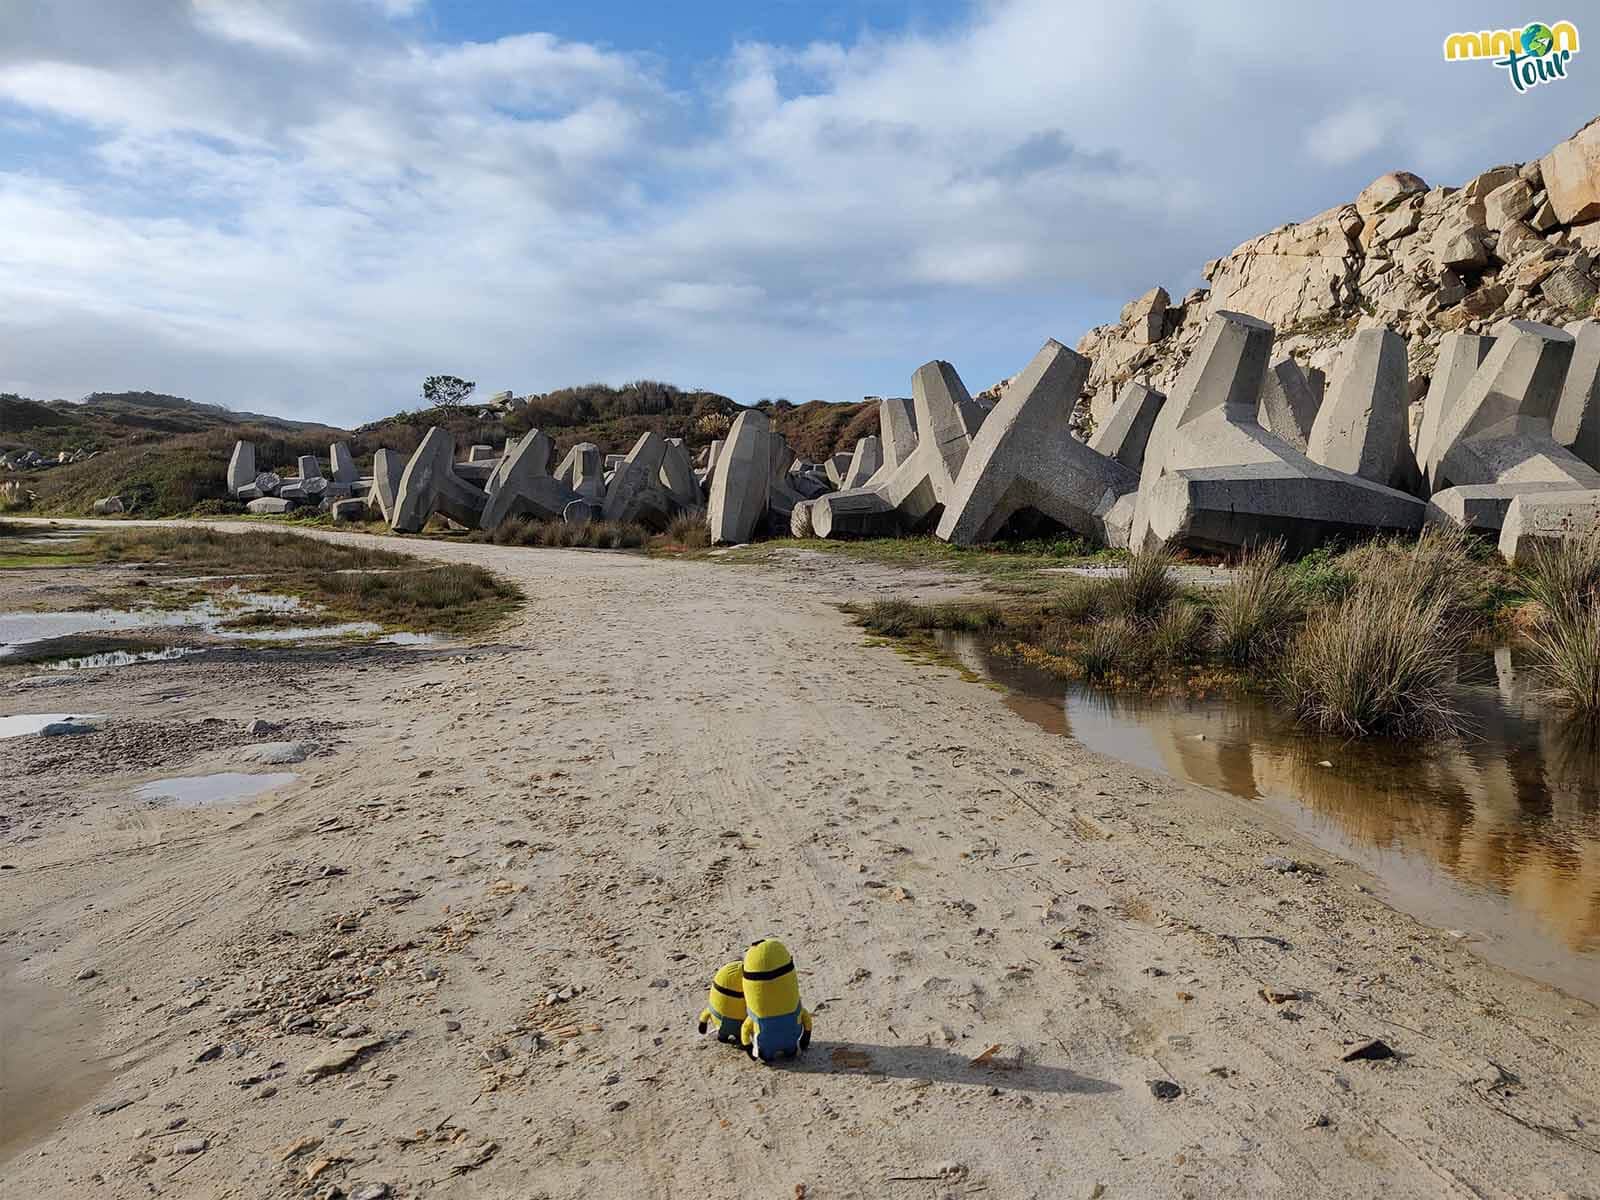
1383	191
1572	176
1024	458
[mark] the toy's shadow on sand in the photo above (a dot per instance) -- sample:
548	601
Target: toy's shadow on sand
941	1066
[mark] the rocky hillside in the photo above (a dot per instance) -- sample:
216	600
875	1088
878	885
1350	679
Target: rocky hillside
1518	240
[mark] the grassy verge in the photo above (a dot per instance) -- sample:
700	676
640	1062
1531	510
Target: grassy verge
344	582
1358	642
1011	566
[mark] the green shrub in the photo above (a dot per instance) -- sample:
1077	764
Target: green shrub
1147	588
1178	638
1254	614
1081	600
892	618
1119	647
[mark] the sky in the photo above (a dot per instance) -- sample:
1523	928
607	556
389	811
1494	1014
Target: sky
306	206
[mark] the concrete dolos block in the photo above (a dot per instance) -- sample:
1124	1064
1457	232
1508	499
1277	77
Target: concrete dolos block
526	488
1576	424
677	475
1289	403
242	466
1545	518
946	419
387	468
1025	458
309	467
1460	356
635	492
741	484
864	463
342	462
1126	431
1215	480
429	484
1361	428
1499	429
581	471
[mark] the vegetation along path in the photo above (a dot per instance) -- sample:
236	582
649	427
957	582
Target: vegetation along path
463	951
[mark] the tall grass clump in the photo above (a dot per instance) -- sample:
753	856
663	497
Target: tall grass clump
1254	615
689	530
1147	589
1565	637
1380	661
1116	648
591	535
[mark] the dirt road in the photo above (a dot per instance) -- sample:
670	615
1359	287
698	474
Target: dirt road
463	952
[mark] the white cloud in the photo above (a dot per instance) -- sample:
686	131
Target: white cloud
303	205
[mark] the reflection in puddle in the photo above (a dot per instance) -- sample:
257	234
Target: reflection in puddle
224	787
24	724
121	658
1498	833
46	1065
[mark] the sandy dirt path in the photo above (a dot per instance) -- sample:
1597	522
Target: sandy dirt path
463	953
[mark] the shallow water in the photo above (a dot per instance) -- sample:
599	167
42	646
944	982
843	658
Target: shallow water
1496	834
121	658
47	1063
223	787
24	724
26	628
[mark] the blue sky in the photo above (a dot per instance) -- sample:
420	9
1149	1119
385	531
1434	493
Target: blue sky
306	206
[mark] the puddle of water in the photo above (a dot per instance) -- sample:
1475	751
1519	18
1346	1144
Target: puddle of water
408	639
21	629
47	1063
24	724
200	791
121	658
1497	834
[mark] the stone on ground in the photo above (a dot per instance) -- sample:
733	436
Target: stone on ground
269	506
108	506
859	514
742	483
347	510
1024	458
1126	431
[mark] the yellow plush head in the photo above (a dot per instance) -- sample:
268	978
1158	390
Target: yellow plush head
727	992
771	987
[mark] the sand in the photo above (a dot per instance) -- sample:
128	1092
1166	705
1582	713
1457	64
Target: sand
464	951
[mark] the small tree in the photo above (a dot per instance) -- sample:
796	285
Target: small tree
446	391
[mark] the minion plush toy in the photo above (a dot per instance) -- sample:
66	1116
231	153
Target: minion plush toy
725	1003
777	1023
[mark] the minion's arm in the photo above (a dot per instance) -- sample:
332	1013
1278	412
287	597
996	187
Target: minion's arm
805	1028
705	1018
747	1031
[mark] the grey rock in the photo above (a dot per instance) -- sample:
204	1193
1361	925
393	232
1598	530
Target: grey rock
275	754
346	511
309	467
1546	518
269	506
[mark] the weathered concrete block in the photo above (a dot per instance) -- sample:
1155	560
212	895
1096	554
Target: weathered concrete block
635	492
1025	458
530	454
742	484
581	512
342	463
387	469
269	482
836	466
345	511
269	506
309	467
946	420
292	490
242	466
897	430
1481	506
1126	430
1361	428
1460	356
429	484
800	520
481	453
1546	518
526	488
861	514
677	475
248	493
581	471
109	506
314	488
810	484
1215	480
864	463
1499	430
1289	404
1576	424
